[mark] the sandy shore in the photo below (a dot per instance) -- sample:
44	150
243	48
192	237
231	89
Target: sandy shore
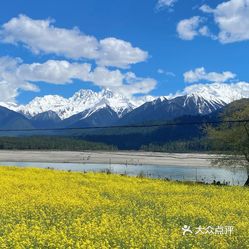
127	157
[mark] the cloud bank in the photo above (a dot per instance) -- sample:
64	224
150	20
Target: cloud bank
41	36
200	74
102	62
16	75
165	3
231	18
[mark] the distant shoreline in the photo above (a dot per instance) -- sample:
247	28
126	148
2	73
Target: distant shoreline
112	157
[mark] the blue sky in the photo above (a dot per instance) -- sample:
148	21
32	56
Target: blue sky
174	38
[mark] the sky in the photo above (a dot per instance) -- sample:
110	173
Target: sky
142	47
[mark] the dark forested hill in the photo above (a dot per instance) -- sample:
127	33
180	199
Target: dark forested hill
180	134
185	132
13	120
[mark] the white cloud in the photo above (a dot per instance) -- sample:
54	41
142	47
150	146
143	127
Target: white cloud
162	71
10	84
200	74
206	9
204	31
41	36
115	52
16	76
165	3
127	84
232	18
54	72
188	28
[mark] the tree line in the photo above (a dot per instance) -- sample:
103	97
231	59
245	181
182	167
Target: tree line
51	143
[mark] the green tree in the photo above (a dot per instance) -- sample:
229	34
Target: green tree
232	139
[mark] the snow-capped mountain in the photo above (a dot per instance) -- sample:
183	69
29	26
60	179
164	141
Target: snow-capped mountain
195	99
9	105
217	92
39	105
199	99
83	100
163	109
200	104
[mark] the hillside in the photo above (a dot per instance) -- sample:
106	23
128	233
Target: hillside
165	137
180	138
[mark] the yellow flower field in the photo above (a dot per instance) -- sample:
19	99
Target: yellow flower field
42	208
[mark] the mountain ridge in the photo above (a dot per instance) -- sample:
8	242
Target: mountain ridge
89	108
82	100
86	99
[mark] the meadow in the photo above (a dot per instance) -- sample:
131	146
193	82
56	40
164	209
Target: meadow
41	208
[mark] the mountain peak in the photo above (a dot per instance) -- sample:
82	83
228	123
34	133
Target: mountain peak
82	100
48	115
83	94
207	97
219	92
107	93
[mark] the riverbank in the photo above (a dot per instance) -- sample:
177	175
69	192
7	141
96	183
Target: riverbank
117	157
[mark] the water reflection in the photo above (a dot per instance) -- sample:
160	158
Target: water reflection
233	176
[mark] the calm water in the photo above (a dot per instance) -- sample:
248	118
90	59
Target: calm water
205	174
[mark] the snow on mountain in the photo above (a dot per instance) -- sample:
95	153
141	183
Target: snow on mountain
39	105
207	97
204	106
79	102
143	99
9	105
217	92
